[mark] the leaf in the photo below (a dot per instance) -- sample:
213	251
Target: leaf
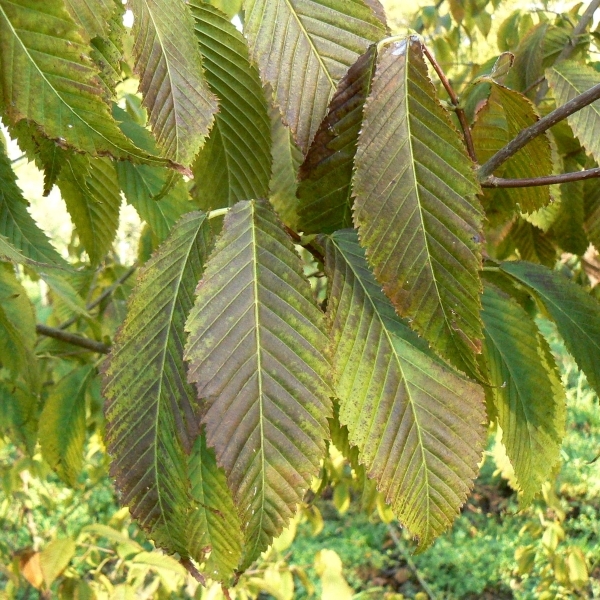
303	49
16	304
92	195
55	558
415	208
256	352
527	396
14	351
567	80
217	525
591	196
533	244
416	422
326	174
92	16
46	77
63	425
287	159
575	312
328	566
180	105
16	224
151	421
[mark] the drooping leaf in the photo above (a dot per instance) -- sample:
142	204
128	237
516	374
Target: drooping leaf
93	16
591	196
576	313
303	50
180	105
62	424
217	525
151	421
326	174
16	304
235	162
16	224
533	244
416	422
92	195
415	208
567	80
526	395
14	351
256	353
46	77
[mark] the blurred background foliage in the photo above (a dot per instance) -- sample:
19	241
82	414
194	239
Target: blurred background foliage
67	538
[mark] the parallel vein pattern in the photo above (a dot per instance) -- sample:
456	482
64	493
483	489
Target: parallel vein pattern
303	48
235	162
416	422
526	395
256	352
179	102
149	411
415	208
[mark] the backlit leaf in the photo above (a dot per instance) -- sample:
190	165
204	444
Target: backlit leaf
168	62
151	421
326	174
533	244
415	208
256	352
416	422
303	50
93	16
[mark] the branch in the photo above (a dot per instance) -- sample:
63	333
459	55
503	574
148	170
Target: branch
499	182
533	131
460	113
72	338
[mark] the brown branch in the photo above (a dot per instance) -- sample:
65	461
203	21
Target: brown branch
316	253
72	338
499	182
460	113
191	569
533	131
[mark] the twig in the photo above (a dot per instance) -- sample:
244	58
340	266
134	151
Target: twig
533	131
410	563
191	569
581	26
72	338
460	113
316	253
500	182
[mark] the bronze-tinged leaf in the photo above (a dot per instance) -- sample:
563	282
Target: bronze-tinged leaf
324	192
256	353
417	423
416	208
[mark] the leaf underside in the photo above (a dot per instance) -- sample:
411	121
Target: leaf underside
416	422
303	49
254	350
415	207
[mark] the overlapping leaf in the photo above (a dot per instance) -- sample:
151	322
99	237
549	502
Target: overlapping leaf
93	16
151	421
533	244
256	353
591	195
46	77
415	208
326	174
576	313
62	424
567	80
416	422
235	162
303	49
180	105
525	390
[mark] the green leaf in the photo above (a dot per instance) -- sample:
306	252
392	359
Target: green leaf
16	304
256	352
567	80
533	244
591	196
16	224
415	208
416	422
326	174
287	159
14	346
235	162
217	525
575	312
92	16
180	105
63	426
92	195
46	76
55	558
304	49
525	391
151	422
